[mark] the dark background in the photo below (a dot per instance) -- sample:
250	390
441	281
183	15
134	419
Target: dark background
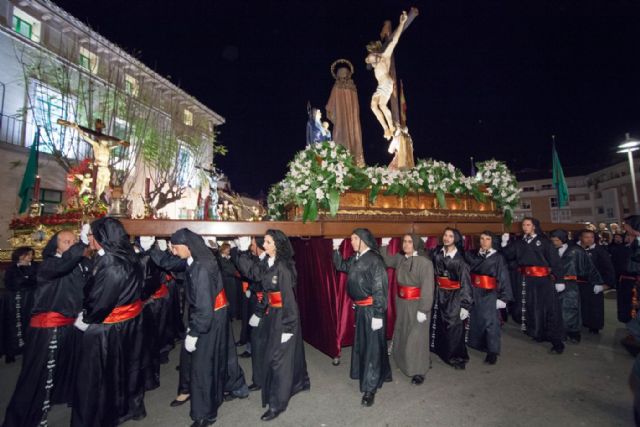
482	78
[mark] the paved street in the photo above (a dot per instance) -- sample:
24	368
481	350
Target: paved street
587	386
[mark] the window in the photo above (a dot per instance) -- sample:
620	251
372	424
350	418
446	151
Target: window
528	189
578	197
525	204
561	215
50	199
187	118
546	187
553	202
88	60
26	25
49	106
600	210
185	165
131	85
609	213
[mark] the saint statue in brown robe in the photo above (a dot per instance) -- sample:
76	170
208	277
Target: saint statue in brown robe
344	111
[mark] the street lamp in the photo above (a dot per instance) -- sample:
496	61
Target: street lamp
629	146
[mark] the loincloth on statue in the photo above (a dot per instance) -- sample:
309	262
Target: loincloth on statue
384	89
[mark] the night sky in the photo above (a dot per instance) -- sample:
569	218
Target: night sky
482	78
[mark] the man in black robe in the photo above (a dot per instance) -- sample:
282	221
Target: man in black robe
368	287
256	336
20	281
110	385
490	279
47	374
592	294
539	269
211	364
454	300
232	284
578	270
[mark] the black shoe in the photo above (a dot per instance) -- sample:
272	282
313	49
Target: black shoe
460	366
245	355
368	398
269	415
417	379
241	343
388	379
491	359
557	348
177	402
254	387
139	417
9	359
594	331
574	337
203	422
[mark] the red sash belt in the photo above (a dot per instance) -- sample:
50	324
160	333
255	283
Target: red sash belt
275	299
535	271
162	291
245	286
574	278
365	302
448	284
168	278
50	319
259	295
124	312
483	282
408	292
221	301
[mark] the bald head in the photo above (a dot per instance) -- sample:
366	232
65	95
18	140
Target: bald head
66	239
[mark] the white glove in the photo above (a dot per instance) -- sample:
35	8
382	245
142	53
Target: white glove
243	243
285	337
422	317
190	343
248	293
84	234
336	243
597	289
560	287
464	313
79	323
505	239
162	244
386	241
254	321
376	323
500	304
146	242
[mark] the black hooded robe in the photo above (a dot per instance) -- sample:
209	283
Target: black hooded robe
284	366
448	330
485	326
593	304
110	386
367	278
578	271
50	350
20	280
542	318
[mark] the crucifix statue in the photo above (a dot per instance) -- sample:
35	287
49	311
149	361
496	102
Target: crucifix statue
102	146
381	59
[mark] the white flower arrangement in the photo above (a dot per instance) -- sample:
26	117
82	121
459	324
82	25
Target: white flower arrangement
320	173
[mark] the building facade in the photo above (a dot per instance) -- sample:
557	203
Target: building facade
602	196
54	67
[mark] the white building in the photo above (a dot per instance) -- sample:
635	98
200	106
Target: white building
55	67
605	195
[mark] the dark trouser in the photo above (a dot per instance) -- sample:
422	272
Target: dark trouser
484	328
543	315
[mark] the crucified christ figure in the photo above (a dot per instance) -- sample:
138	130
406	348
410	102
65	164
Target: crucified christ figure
380	59
102	146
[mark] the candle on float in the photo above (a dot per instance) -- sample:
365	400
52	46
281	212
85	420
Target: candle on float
36	189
